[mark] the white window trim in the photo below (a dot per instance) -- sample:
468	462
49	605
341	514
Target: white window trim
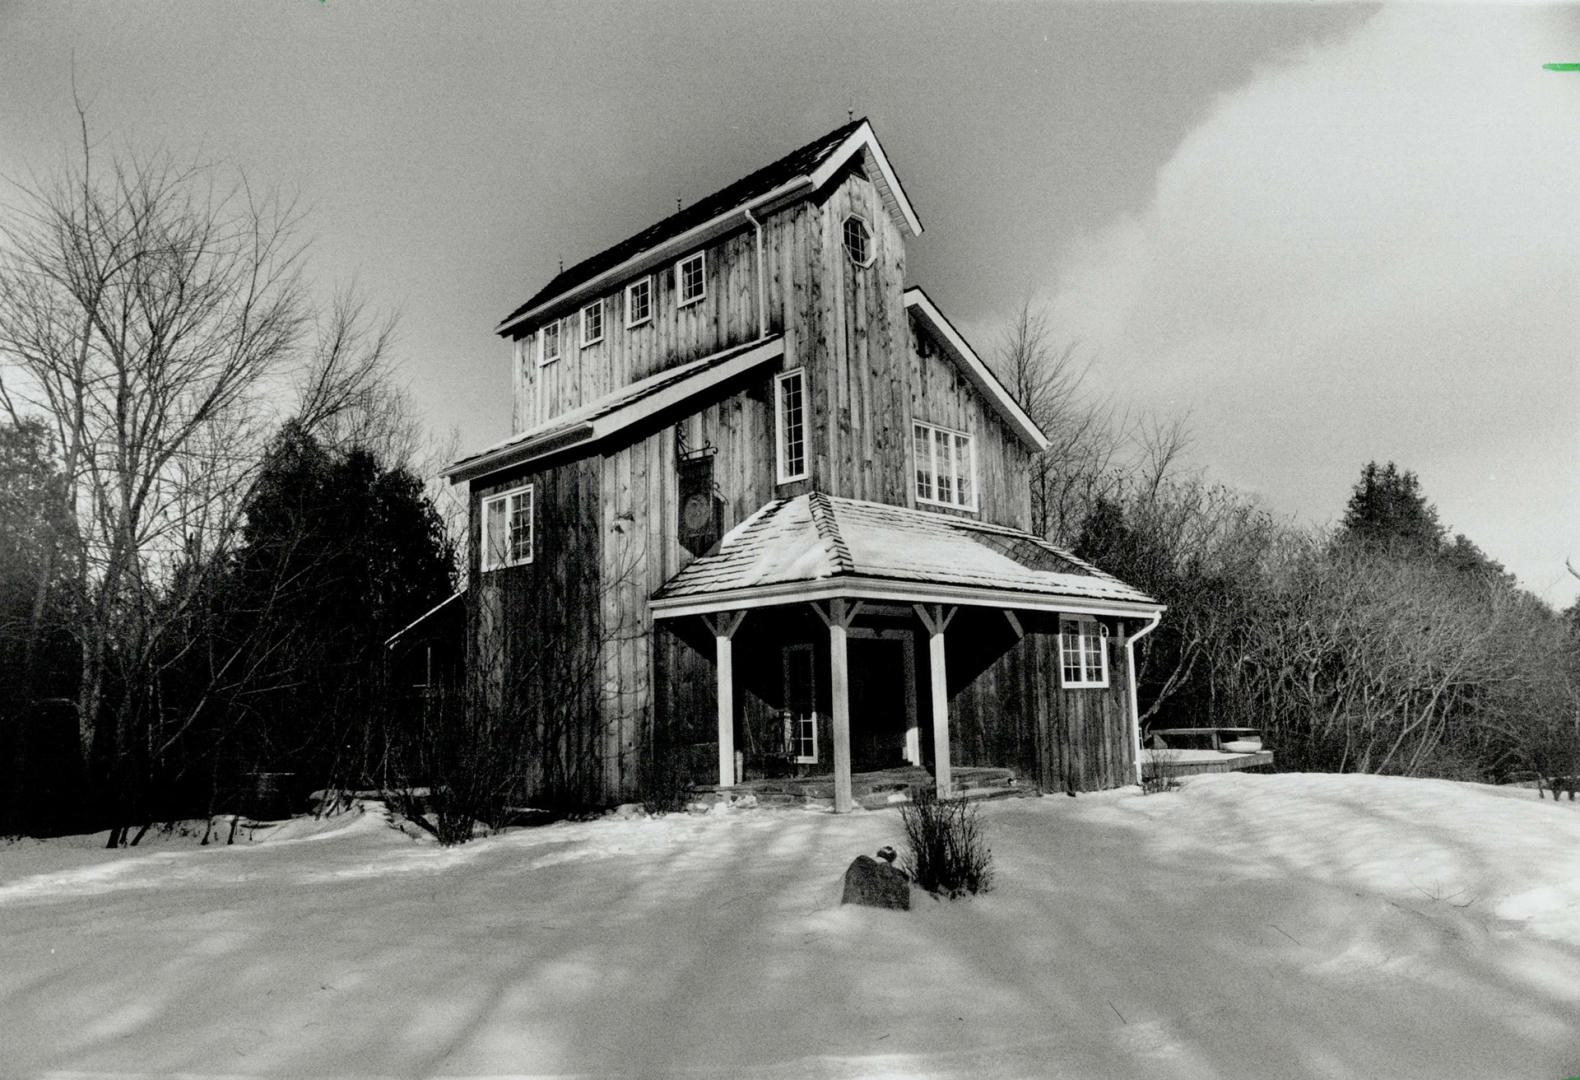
524	491
812	717
544	359
780	445
971	448
680	279
586	341
645	319
1084	625
872	248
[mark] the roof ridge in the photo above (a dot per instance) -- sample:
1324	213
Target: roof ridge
821	508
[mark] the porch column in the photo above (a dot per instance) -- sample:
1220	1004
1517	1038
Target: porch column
839	617
936	617
724	626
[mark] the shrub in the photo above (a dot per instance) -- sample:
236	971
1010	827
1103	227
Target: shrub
947	847
1161	770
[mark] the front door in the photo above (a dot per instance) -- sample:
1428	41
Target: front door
878	711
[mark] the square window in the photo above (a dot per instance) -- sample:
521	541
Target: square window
945	466
549	343
691	278
638	303
790	411
592	323
507	529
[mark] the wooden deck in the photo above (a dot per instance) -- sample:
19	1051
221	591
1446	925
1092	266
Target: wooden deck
1194	762
874	790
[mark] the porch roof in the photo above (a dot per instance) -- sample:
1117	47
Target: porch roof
818	545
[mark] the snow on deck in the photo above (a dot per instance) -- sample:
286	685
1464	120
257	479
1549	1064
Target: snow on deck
1245	926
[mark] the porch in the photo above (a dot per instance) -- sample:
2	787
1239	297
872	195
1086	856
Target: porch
876	789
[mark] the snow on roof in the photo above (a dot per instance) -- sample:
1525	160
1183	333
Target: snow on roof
597	419
818	536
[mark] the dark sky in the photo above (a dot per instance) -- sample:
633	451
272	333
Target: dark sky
1325	233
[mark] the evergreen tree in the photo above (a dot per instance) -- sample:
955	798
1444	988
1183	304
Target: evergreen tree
1388	512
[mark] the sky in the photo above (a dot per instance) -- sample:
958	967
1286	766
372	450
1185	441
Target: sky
1324	234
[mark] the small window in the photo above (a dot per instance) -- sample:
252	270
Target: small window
549	343
790	412
638	303
945	467
800	704
691	280
858	241
1083	653
592	323
507	528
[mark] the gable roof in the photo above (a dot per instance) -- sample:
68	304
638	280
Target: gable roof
803	170
791	545
589	424
942	331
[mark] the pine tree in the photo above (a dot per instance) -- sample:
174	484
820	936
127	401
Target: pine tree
1388	512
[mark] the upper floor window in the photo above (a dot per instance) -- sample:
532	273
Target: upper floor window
945	467
638	302
592	323
691	280
790	412
858	241
1083	657
549	343
507	528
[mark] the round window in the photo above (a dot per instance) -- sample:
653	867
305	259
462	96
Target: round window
858	241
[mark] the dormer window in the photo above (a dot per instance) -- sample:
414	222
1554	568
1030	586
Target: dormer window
549	343
592	323
691	280
638	303
858	241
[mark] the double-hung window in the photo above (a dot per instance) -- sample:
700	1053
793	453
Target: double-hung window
790	414
945	467
549	343
507	528
1083	655
800	704
691	278
638	303
592	323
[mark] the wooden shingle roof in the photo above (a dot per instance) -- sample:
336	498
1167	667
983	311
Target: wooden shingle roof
819	538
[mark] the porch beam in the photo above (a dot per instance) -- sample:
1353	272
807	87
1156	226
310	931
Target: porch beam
1014	624
937	621
724	626
839	690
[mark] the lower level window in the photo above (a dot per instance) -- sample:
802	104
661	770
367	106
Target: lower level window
800	704
1083	655
507	528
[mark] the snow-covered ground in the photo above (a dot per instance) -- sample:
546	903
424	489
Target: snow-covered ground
1244	926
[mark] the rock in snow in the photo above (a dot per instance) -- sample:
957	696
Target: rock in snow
876	884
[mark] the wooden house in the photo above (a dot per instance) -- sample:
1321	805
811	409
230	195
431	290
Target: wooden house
763	514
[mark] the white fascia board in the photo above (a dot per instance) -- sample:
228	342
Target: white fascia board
975	368
863	138
857	588
520	450
659	253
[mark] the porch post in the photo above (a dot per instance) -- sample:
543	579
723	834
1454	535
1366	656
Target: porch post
936	620
724	626
839	617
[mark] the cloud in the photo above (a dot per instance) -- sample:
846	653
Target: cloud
1370	250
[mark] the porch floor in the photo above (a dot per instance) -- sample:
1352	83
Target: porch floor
877	789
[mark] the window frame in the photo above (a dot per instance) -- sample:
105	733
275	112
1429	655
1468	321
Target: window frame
781	434
867	238
682	300
629	289
590	341
1085	627
934	431
796	726
544	359
513	495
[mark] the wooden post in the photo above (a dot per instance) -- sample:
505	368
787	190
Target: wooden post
936	620
839	617
724	626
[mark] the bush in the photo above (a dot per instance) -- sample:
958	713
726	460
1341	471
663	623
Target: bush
1164	772
947	846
